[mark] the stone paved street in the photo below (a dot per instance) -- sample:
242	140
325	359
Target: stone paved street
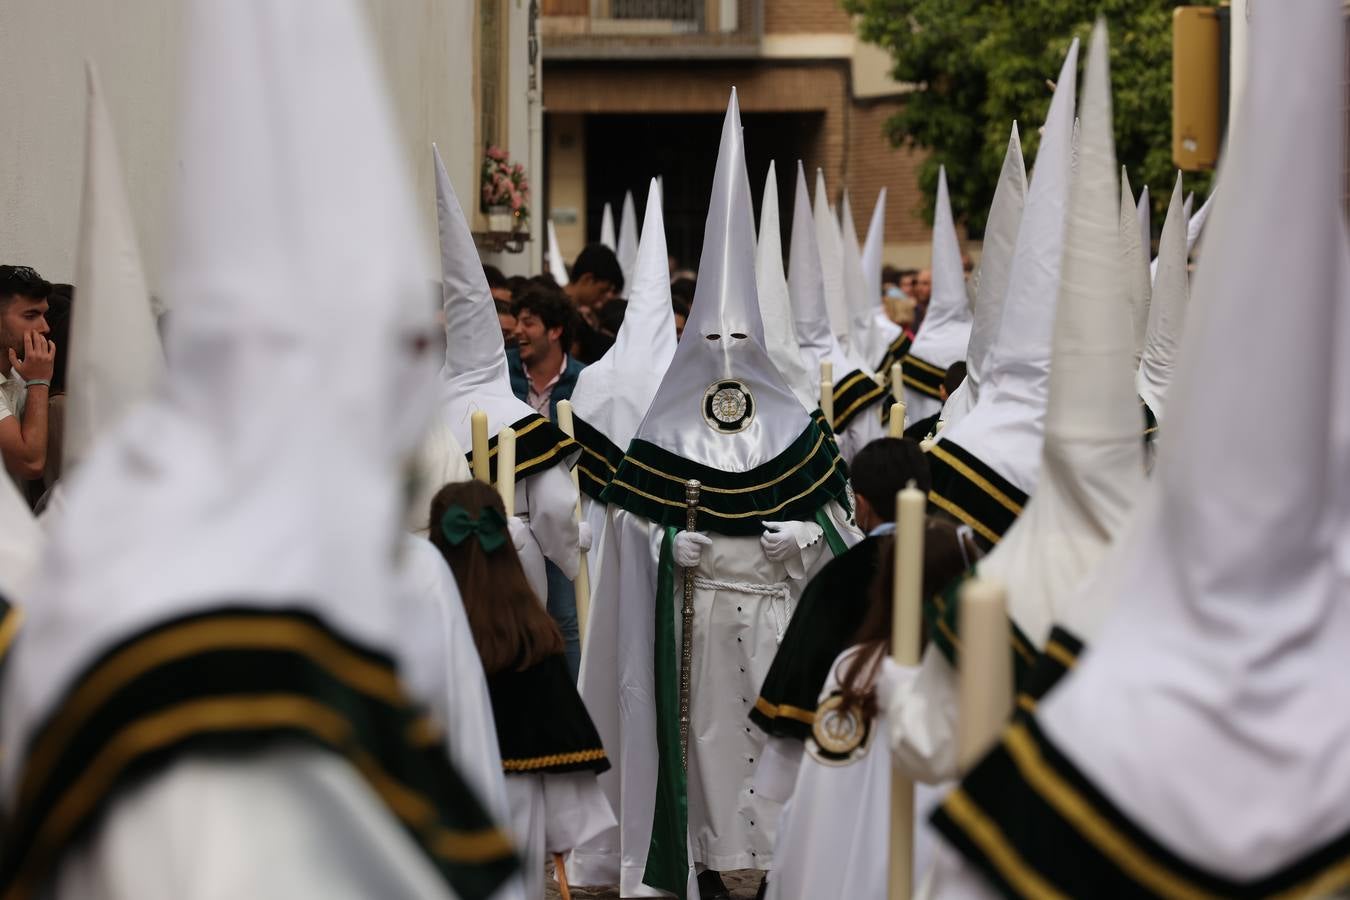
743	885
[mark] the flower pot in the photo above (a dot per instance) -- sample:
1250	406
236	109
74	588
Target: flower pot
500	219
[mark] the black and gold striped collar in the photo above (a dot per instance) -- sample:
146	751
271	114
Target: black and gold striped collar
1036	826
922	376
970	491
895	353
854	395
803	478
539	444
231	680
599	460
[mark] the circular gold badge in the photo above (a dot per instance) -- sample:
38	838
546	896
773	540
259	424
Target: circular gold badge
840	735
728	406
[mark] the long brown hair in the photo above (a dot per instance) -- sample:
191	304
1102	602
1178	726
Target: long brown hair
947	553
511	628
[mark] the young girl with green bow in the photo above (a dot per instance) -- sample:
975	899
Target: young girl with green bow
550	750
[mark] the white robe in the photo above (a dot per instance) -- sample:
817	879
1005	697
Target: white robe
865	428
552	814
834	834
288	823
742	604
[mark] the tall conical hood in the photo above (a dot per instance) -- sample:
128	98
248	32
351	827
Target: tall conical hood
115	353
556	266
806	289
864	337
607	228
1227	639
267	473
1196	224
1188	205
724	339
1167	312
945	333
1000	237
873	248
1093	463
628	241
613	393
1141	212
1136	271
474	376
831	246
1006	428
20	544
780	335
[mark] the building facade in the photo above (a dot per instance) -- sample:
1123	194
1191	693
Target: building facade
635	89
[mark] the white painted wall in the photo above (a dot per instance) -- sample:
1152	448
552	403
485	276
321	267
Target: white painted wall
426	46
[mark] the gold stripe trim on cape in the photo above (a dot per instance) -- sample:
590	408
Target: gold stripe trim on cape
980	528
245	712
986	834
9	628
605	462
492	451
1079	813
912	360
829	473
919	386
556	450
1061	654
977	479
182	641
784	711
870	397
556	759
709	489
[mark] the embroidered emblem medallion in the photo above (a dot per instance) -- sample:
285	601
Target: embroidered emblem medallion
728	406
839	735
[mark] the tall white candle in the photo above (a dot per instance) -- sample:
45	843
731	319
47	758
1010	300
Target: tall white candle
478	424
906	626
506	468
896	428
827	399
985	678
897	383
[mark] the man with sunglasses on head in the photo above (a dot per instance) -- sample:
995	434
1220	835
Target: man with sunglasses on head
26	362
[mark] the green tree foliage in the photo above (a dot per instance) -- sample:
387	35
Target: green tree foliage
980	64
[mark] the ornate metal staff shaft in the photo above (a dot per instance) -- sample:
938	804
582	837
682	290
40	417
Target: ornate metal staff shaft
692	487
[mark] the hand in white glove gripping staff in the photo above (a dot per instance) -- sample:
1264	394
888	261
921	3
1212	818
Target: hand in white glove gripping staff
689	548
520	532
584	537
783	542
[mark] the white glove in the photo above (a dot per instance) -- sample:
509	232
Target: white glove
584	537
520	532
689	548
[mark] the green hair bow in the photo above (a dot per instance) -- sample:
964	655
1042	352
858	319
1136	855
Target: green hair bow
490	527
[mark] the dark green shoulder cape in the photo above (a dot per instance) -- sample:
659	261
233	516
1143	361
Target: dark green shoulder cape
968	490
824	624
793	486
542	725
539	444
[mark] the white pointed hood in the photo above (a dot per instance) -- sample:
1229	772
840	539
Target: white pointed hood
884	331
627	250
115	352
869	343
780	334
1093	464
474	376
1226	642
1196	224
556	266
1006	428
20	544
944	334
1000	237
267	472
1167	312
724	338
1141	212
613	393
806	288
607	228
1136	270
831	247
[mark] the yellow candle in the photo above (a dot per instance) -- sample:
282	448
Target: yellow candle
897	423
827	371
906	625
897	383
582	583
827	399
985	677
479	431
506	468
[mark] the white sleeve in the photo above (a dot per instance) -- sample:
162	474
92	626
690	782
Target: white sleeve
552	507
921	715
952	878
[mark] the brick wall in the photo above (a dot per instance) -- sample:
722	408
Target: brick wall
873	164
805	17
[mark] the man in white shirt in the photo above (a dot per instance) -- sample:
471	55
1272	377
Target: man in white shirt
26	363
